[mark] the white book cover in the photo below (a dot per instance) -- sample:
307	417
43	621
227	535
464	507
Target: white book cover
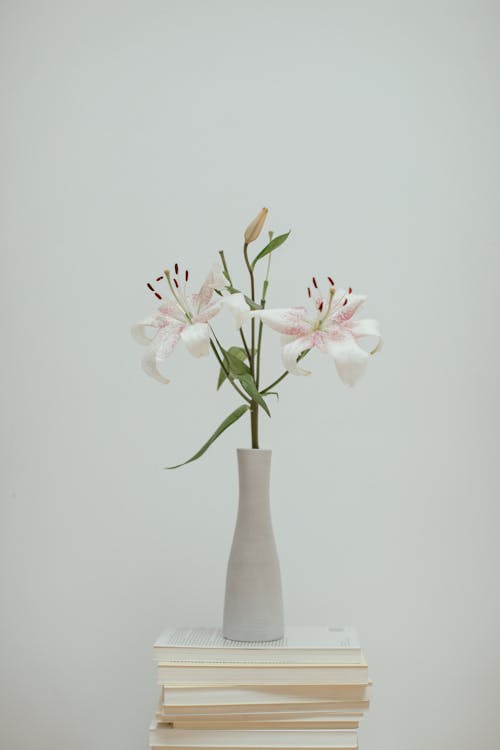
188	673
300	644
238	698
167	737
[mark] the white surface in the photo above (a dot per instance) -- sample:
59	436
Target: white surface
137	134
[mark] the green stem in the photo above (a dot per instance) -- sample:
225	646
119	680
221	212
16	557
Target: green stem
224	266
265	287
259	344
254	411
245	344
276	382
228	376
284	374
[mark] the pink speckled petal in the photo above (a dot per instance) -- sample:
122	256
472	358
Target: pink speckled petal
215	280
160	347
208	312
291	321
340	312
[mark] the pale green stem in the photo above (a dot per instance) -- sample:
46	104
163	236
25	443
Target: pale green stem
284	374
261	325
254	412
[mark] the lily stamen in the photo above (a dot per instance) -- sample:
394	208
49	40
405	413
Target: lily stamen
329	306
174	294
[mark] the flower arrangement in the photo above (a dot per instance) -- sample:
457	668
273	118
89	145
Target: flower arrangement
327	324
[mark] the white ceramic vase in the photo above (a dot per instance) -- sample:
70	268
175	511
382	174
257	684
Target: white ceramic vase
253	606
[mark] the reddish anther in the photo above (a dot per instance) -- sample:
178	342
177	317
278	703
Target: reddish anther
176	268
186	275
308	291
350	290
320	307
158	295
159	278
315	283
344	303
331	280
150	287
176	283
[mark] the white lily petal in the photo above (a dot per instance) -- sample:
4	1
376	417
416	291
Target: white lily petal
289	320
208	312
160	347
215	280
350	359
344	305
218	279
293	348
150	366
197	339
138	331
367	327
237	304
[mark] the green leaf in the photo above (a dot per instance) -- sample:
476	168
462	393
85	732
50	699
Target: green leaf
235	352
231	419
235	362
222	377
248	384
275	243
250	302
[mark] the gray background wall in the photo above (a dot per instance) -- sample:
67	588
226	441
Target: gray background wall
137	134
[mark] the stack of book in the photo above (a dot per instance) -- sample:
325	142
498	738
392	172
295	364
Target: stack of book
308	690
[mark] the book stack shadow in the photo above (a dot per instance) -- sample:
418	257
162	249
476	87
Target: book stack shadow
308	690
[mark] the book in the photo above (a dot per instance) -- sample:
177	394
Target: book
237	698
292	724
189	673
232	739
299	645
276	720
349	708
344	722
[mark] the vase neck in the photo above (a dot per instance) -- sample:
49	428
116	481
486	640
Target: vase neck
254	469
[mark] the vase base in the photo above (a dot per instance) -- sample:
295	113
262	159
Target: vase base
252	635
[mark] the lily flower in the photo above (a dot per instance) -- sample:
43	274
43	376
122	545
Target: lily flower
184	317
329	327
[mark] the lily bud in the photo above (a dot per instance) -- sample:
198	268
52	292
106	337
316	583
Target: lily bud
255	227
